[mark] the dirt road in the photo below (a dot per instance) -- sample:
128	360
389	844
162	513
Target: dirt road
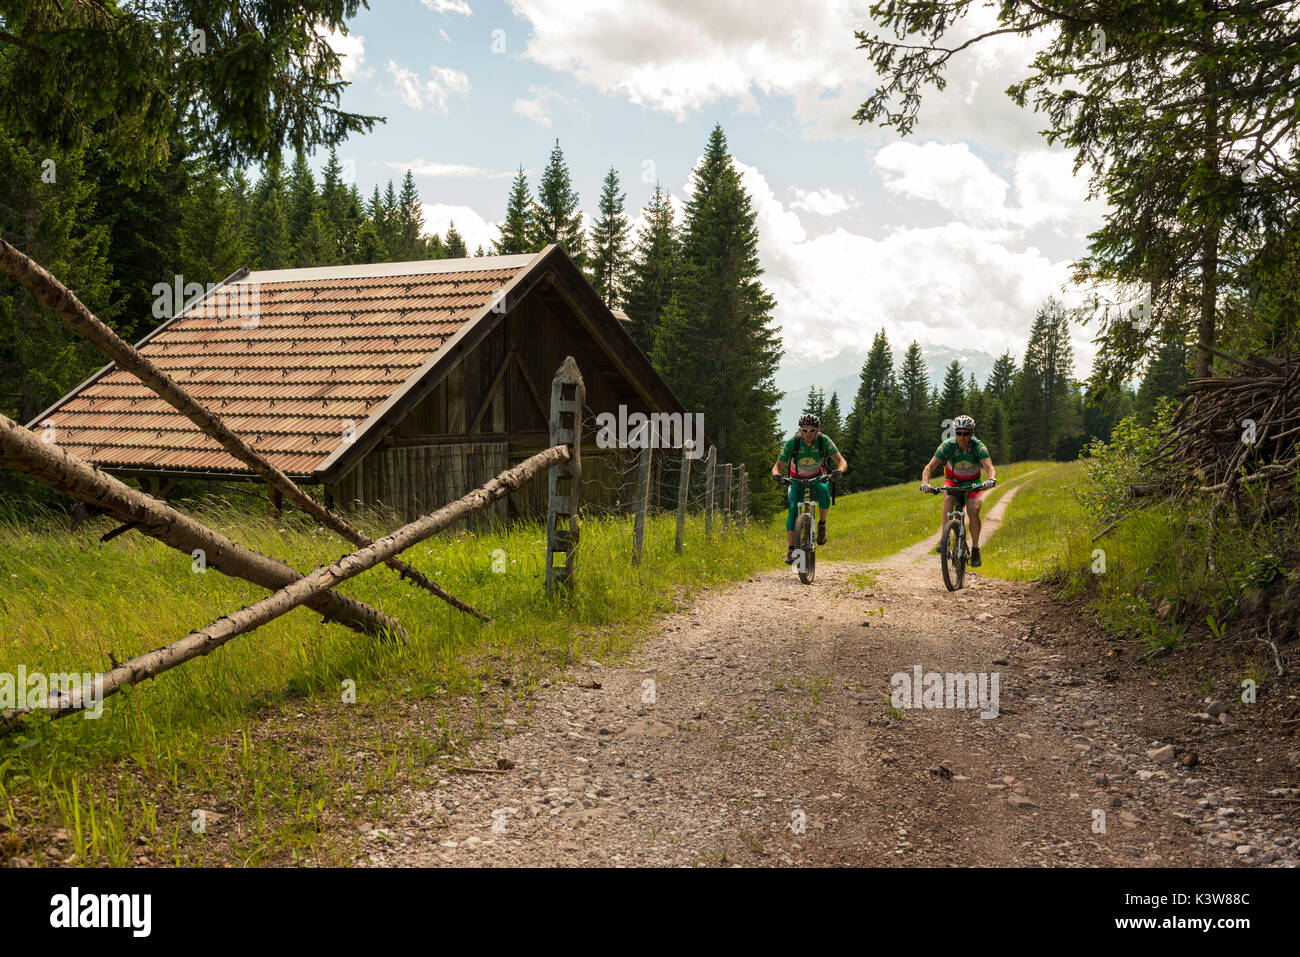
755	728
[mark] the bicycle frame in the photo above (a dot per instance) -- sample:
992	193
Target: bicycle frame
805	552
958	515
955	520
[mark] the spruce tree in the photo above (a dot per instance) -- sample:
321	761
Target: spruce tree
272	244
815	404
214	223
348	227
1043	414
342	207
918	431
973	402
879	443
832	423
555	217
997	433
720	353
454	245
316	245
303	199
59	226
1165	375
877	370
609	260
146	221
1001	377
515	237
1029	438
952	402
409	226
655	269
390	226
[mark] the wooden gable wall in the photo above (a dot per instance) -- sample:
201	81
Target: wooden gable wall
491	411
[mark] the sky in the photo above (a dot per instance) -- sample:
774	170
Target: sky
953	236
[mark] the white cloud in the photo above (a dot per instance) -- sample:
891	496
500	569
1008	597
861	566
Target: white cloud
449	6
351	48
681	58
476	230
443	33
443	82
538	109
956	285
822	202
947	174
422	167
951	176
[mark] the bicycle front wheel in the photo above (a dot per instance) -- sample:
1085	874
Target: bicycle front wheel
803	535
951	557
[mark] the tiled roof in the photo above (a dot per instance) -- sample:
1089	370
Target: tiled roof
288	366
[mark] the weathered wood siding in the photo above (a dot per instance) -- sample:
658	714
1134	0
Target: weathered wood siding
432	457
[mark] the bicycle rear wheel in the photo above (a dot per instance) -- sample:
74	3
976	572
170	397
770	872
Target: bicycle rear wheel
950	555
803	535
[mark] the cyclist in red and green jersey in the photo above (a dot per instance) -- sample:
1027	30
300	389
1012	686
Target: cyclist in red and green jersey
805	453
962	457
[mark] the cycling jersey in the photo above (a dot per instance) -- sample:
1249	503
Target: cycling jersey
806	460
961	469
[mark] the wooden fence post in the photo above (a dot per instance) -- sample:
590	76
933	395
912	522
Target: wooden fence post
726	496
744	497
642	491
710	476
683	488
568	393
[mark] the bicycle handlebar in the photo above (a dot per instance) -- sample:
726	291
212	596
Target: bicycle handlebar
936	489
786	480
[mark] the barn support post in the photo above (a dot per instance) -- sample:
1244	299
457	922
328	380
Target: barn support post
683	488
726	496
710	477
274	500
642	490
568	393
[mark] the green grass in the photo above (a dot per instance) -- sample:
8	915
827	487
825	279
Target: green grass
1043	528
195	737
258	730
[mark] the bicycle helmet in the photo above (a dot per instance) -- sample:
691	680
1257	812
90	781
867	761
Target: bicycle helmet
810	420
963	422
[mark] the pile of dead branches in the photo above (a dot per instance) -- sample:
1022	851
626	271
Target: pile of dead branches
1234	432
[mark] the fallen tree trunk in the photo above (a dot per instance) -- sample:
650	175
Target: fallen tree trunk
319	581
21	449
63	302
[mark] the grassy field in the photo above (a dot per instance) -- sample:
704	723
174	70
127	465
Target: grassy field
1043	530
199	737
866	526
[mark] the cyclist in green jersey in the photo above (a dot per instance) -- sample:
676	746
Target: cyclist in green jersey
805	453
962	458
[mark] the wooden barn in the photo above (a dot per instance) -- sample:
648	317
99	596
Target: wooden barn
402	384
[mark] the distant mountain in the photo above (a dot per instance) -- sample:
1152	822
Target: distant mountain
841	374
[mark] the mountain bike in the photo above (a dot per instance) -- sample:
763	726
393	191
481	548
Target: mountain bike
953	549
805	524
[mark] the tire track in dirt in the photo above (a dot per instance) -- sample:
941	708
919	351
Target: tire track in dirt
754	728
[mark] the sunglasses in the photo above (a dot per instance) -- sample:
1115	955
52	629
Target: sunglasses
965	432
814	430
